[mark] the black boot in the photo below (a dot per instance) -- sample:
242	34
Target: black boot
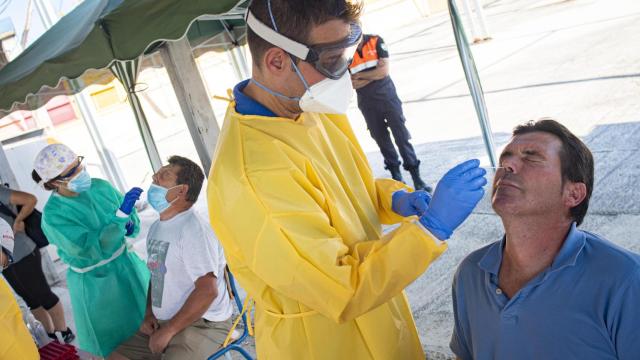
418	184
395	173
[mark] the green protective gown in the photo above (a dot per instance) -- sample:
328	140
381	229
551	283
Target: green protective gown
109	301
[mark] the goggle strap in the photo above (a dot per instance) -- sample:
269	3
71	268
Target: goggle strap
273	37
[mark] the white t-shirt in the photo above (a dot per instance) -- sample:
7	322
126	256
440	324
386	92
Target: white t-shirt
180	250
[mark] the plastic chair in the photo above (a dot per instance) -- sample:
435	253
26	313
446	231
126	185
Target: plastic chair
236	344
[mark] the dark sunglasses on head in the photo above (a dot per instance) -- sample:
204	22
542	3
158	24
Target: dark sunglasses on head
68	174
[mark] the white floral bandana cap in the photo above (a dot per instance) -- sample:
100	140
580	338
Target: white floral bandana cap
52	160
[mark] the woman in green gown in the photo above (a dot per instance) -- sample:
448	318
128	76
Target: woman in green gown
87	219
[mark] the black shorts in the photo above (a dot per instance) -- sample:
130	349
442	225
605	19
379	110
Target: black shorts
27	280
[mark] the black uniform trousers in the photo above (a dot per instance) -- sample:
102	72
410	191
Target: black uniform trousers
27	279
382	111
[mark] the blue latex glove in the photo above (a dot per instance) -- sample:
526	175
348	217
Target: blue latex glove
409	204
130	228
456	195
130	199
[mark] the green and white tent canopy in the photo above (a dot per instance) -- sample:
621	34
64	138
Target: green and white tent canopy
99	32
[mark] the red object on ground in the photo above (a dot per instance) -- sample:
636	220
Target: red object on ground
57	351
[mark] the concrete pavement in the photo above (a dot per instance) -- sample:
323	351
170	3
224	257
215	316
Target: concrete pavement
575	60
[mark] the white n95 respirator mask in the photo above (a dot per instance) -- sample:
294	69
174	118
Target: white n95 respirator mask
328	96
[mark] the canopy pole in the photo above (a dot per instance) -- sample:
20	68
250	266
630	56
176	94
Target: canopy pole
235	63
193	98
48	17
241	61
106	159
473	81
127	73
236	55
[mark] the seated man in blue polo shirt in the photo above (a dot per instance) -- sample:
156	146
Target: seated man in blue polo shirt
547	290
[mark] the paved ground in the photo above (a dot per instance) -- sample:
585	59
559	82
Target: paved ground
576	61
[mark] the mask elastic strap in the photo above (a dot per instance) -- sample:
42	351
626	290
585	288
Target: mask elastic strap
293	61
169	189
275	93
169	202
297	70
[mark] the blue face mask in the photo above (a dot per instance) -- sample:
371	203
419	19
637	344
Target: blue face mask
80	183
157	197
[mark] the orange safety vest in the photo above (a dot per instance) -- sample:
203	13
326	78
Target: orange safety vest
369	58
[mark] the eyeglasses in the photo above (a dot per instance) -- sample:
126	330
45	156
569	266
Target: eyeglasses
68	174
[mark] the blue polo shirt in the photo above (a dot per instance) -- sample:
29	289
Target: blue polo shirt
586	305
246	105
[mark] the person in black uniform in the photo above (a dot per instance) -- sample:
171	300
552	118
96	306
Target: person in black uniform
382	109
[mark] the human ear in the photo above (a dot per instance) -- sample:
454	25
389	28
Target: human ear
275	60
574	193
184	189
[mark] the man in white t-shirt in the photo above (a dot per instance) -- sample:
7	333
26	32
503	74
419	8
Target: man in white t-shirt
188	308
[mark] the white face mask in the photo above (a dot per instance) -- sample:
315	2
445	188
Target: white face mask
328	96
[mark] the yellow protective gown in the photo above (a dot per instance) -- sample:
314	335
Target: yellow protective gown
298	212
15	340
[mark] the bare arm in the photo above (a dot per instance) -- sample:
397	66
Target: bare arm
4	259
150	323
357	83
206	290
27	202
380	72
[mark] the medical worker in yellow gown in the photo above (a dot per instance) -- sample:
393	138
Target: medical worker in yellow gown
15	340
293	200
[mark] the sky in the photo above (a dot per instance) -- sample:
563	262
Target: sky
17	11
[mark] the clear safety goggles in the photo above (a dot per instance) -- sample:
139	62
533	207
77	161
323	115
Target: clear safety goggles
331	60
